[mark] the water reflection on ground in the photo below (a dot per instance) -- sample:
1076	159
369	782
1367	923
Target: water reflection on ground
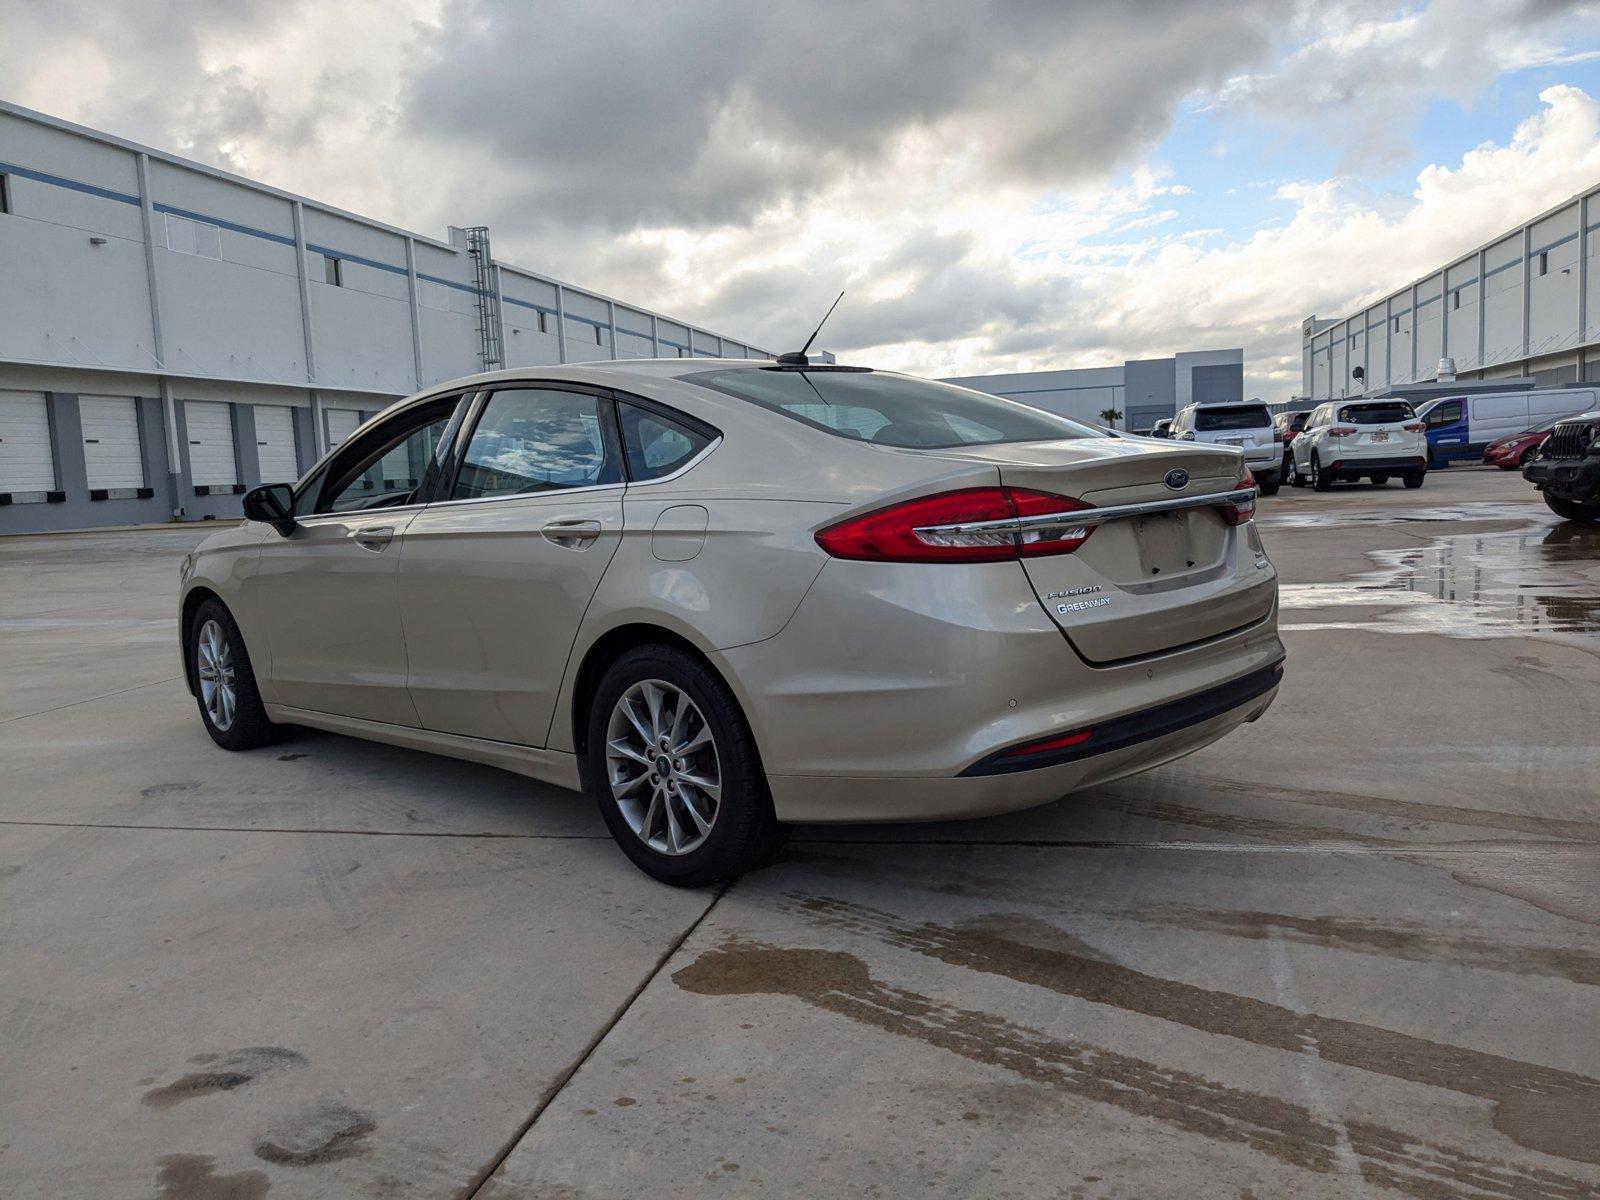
1538	579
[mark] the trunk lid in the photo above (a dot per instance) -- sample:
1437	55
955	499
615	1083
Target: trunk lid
1144	584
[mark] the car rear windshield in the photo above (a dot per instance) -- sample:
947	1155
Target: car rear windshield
1234	416
892	410
1387	413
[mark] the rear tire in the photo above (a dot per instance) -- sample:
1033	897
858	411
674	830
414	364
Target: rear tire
1321	480
707	815
1379	480
1413	479
225	682
1572	510
1268	487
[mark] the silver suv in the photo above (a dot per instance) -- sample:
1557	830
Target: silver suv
1247	427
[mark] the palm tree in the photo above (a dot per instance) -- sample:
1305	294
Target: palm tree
1110	416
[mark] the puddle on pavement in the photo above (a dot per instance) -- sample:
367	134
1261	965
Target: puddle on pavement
1539	579
1452	514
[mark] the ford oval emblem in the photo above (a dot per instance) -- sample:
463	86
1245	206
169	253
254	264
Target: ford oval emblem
1177	479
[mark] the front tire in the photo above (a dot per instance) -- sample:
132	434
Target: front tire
225	682
1296	479
674	768
1321	480
1573	510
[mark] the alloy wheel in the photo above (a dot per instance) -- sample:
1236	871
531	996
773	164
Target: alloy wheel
214	667
662	766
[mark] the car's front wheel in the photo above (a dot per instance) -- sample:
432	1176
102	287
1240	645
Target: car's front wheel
673	765
225	682
1296	479
1573	510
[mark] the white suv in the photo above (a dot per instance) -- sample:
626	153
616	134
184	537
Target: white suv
1349	439
1246	426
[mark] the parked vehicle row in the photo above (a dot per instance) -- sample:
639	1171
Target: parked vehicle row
1464	426
729	598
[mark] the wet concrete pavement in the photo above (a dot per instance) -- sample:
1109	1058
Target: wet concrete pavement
1352	950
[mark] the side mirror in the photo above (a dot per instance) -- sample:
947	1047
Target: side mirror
272	504
1160	433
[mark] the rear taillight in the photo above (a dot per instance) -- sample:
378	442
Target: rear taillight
908	532
1342	431
1240	511
1277	436
1413	427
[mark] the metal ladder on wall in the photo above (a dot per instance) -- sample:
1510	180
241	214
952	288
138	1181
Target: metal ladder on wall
491	352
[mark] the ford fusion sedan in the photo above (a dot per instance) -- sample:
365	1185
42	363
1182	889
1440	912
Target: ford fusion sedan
729	597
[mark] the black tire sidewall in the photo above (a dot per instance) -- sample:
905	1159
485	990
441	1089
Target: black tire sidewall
250	727
742	830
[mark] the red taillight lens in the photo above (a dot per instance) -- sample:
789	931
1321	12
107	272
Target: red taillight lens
1342	431
900	533
1240	512
1413	427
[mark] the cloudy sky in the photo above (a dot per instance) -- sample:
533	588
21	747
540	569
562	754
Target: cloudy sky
997	186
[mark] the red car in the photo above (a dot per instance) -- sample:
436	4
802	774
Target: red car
1514	452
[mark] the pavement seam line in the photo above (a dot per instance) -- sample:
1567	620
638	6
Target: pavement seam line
478	1184
417	833
91	699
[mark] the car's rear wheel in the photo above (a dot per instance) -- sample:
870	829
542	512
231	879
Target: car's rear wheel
1269	487
1321	480
1379	480
1413	479
225	683
1572	510
674	768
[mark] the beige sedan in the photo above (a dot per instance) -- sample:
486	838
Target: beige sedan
728	597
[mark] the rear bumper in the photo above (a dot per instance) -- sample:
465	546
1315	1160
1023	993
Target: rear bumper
1567	478
1358	464
810	799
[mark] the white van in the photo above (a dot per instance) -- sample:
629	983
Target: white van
1461	426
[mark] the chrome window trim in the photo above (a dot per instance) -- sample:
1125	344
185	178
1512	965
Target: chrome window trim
1093	516
686	467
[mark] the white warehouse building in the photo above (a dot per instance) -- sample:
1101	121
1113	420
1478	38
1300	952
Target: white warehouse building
172	335
1142	390
1525	305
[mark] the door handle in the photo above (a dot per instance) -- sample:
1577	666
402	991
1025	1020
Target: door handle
373	537
572	535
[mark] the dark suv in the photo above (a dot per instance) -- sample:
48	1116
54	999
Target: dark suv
1567	468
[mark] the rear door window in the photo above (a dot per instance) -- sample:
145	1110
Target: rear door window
1234	416
537	439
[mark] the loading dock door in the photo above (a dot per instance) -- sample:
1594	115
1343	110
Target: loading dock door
26	463
275	444
211	458
111	441
342	423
